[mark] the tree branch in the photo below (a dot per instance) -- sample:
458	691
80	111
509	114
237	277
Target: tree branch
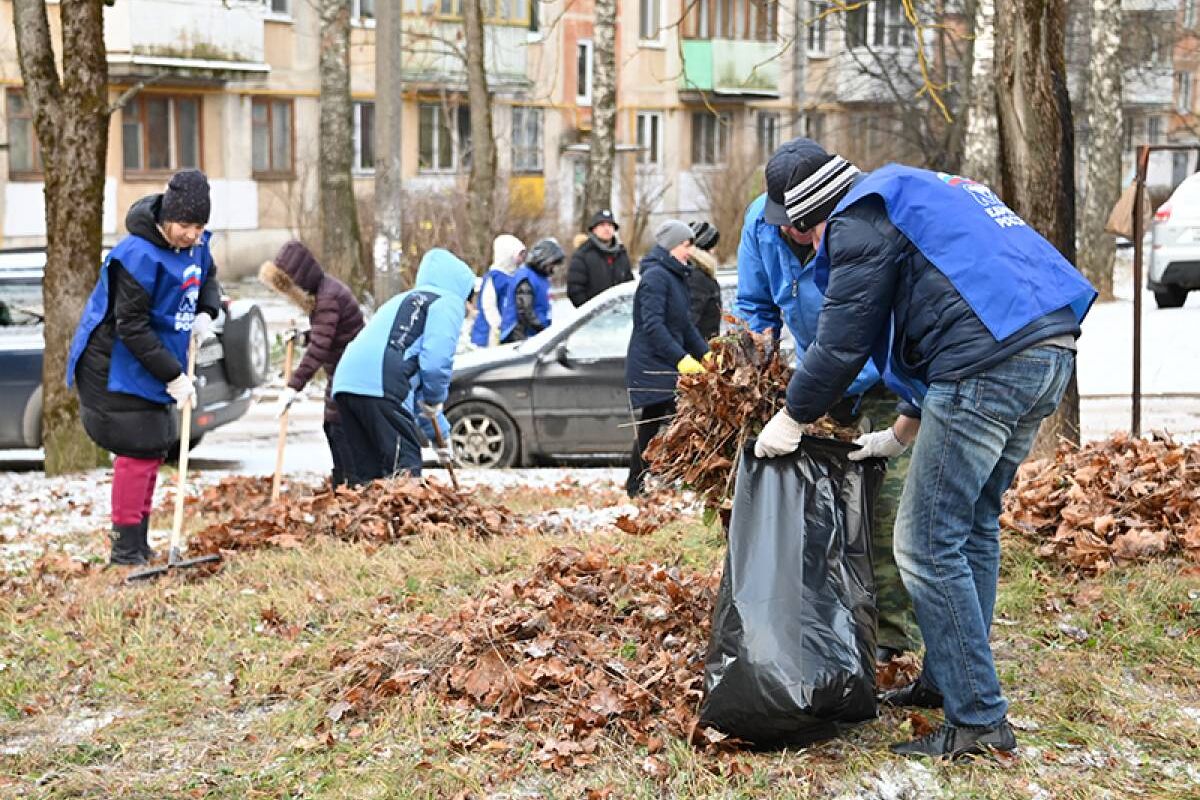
35	54
130	93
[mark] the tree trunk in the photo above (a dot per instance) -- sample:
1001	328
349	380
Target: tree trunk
981	148
1103	187
602	154
341	244
1037	145
481	182
70	118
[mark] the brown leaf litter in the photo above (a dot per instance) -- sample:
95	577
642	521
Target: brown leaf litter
1107	503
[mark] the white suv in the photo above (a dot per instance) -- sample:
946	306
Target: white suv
1175	255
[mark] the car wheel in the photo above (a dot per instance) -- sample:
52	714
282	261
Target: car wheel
482	436
247	349
1170	296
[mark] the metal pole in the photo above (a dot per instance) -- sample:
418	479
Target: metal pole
1139	200
388	249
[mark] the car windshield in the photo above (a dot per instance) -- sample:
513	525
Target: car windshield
20	302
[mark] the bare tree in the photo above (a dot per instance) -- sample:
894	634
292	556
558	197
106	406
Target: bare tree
341	245
982	144
1037	144
481	181
602	154
1103	185
70	116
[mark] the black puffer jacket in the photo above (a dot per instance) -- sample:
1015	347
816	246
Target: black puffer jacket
334	316
706	293
124	423
876	271
663	332
593	270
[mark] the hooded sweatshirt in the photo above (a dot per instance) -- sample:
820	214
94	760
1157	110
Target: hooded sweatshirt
507	253
407	349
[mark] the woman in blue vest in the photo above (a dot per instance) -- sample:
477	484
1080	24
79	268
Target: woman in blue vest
508	253
399	366
157	289
972	318
527	309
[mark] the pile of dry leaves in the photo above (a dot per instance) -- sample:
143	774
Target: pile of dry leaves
381	511
718	411
1109	502
582	649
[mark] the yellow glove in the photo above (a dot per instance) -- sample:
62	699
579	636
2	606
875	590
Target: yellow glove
689	366
711	360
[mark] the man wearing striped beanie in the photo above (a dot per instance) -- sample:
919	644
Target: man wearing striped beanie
776	287
971	317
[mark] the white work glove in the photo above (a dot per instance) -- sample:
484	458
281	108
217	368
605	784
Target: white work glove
430	410
201	326
880	444
286	398
780	436
182	390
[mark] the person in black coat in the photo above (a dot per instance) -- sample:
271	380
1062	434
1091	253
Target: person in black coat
706	291
665	342
600	263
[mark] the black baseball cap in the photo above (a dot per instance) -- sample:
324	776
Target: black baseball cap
794	161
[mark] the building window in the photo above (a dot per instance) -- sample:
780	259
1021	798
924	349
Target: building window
768	134
526	139
710	137
24	153
364	137
272	135
440	148
362	11
160	133
1154	130
521	13
649	137
1183	92
881	23
1189	13
814	126
648	19
755	20
281	8
583	72
818	29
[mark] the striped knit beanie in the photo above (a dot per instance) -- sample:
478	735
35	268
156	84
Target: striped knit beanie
805	183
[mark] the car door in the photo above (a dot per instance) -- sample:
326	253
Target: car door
579	396
20	353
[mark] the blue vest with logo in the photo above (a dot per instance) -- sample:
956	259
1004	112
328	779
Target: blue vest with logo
172	279
541	299
499	280
1005	271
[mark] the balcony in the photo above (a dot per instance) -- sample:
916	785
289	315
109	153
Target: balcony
198	38
1148	86
730	67
430	55
864	76
1152	6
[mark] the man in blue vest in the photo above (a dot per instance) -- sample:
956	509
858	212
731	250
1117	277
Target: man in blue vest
972	317
527	309
401	363
776	287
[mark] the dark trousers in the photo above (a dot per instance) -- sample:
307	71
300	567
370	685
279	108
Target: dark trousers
380	436
336	437
649	420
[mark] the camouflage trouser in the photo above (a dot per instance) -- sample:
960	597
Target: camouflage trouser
897	623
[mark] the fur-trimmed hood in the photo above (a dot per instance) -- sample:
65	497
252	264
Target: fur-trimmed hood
277	280
704	260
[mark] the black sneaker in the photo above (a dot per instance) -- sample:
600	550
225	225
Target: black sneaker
915	695
127	546
954	743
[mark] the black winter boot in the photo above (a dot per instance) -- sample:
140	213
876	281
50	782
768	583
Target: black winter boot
144	542
127	543
954	743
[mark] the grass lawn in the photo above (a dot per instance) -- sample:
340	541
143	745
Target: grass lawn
221	687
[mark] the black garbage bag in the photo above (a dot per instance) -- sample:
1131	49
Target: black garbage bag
792	654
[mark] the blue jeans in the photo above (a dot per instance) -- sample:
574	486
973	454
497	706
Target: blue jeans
974	434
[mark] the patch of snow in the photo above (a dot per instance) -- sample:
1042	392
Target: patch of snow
1192	714
907	780
584	519
65	731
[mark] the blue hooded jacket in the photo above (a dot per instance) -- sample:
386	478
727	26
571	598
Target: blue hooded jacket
481	330
509	319
775	289
406	352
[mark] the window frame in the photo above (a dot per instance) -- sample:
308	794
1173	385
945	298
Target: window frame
356	16
721	124
271	14
877	30
38	172
817	40
585	98
143	172
459	155
648	160
359	167
643	6
538	150
775	119
273	172
736	20
1183	92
